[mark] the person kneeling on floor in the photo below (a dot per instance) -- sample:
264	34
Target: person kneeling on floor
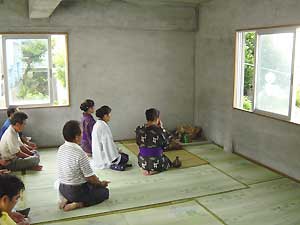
152	140
105	152
78	184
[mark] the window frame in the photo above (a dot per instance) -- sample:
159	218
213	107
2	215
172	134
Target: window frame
258	34
35	35
239	47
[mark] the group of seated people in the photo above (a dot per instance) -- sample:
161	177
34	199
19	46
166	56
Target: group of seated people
78	184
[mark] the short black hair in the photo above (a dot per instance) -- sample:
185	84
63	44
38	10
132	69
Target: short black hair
88	103
10	185
152	114
102	111
18	117
11	110
71	130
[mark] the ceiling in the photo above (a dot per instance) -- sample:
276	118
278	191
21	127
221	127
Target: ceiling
39	9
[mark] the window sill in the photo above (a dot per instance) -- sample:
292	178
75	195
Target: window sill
266	116
40	107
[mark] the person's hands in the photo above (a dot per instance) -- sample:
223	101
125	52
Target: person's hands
24	222
36	153
5	171
104	183
160	123
32	145
4	162
17	217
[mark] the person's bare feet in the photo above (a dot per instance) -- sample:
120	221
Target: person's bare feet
148	173
37	168
72	206
62	203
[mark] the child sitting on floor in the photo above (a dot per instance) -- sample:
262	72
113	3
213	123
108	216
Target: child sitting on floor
152	140
78	184
105	152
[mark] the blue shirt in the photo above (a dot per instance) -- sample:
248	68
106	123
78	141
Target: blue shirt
4	127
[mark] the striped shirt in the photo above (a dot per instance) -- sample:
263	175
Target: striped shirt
73	164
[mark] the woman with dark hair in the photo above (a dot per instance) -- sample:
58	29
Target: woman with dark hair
105	152
87	123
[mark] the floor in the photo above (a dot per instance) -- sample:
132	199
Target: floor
229	190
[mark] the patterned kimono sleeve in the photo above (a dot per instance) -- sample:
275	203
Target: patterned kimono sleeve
138	135
164	139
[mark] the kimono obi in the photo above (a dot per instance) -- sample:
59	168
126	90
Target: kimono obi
151	152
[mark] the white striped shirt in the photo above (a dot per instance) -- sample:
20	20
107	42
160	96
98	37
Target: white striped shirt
73	164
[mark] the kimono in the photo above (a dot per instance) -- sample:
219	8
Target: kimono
105	151
87	123
152	141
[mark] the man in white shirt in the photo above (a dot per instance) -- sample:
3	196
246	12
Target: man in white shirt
78	183
10	147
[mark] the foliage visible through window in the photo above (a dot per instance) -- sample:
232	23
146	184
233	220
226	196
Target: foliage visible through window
34	69
249	70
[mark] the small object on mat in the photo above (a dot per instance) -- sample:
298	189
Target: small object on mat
128	165
185	138
24	212
176	163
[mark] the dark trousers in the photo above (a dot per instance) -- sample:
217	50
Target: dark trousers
124	159
86	193
121	166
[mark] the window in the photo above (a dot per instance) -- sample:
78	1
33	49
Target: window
33	70
268	72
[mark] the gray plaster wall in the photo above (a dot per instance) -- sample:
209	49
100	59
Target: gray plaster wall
268	141
127	56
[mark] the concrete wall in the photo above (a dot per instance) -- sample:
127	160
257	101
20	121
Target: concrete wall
271	142
127	56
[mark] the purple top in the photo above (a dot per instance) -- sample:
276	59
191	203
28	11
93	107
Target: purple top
87	123
151	152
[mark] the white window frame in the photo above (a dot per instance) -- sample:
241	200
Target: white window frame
240	69
6	36
28	36
239	77
257	56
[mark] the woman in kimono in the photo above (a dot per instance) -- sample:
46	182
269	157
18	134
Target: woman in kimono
152	140
105	152
87	123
